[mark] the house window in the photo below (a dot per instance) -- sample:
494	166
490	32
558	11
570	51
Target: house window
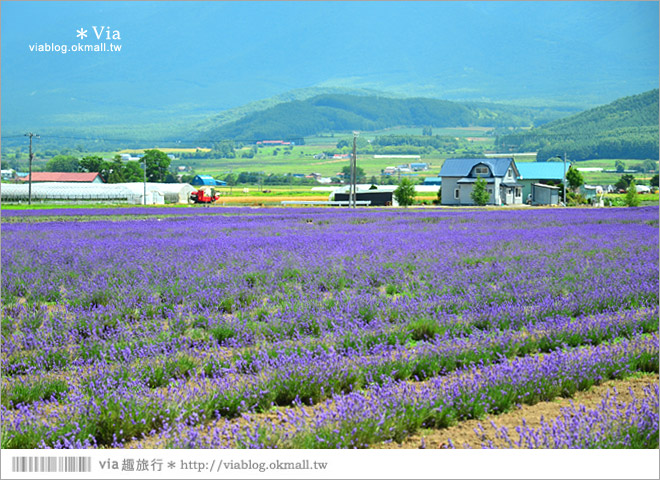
509	173
481	170
456	193
490	190
518	192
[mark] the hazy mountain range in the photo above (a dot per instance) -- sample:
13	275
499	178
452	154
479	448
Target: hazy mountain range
185	65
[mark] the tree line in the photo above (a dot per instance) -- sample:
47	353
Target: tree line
116	170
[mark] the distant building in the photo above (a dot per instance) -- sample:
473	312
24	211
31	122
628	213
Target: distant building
544	194
380	196
460	174
418	167
8	174
273	142
78	177
432	181
540	172
200	180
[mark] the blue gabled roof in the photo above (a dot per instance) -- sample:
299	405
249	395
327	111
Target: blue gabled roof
461	167
542	170
206	180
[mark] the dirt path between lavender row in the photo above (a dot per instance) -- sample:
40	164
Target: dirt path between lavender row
464	434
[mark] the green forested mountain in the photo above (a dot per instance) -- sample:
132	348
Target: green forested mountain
341	113
625	128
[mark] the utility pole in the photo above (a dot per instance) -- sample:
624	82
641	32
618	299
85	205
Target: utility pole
353	194
144	181
30	134
564	178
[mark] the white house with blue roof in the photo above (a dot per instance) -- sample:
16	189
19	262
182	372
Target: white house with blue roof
460	174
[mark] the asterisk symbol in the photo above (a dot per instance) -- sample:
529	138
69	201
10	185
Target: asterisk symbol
82	33
171	465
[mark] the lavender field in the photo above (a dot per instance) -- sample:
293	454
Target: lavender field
319	328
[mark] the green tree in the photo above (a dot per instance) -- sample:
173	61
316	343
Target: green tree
405	192
224	149
133	172
650	166
479	194
359	174
91	163
115	170
632	198
620	166
654	180
623	182
187	178
231	179
574	179
158	164
62	163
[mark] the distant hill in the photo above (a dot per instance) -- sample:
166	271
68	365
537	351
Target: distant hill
235	114
342	113
625	128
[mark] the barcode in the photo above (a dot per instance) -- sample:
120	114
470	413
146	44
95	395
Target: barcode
51	464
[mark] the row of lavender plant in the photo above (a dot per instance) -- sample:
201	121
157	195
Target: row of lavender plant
395	410
611	424
323	369
293	377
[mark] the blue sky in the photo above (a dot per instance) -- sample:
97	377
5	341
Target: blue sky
218	55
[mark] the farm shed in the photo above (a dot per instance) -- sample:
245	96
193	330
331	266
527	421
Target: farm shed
544	194
379	196
460	174
416	167
200	180
540	172
75	177
433	181
8	174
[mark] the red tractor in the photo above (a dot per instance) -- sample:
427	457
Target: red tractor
204	195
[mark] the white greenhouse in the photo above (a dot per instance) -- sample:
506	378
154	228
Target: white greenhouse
157	193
